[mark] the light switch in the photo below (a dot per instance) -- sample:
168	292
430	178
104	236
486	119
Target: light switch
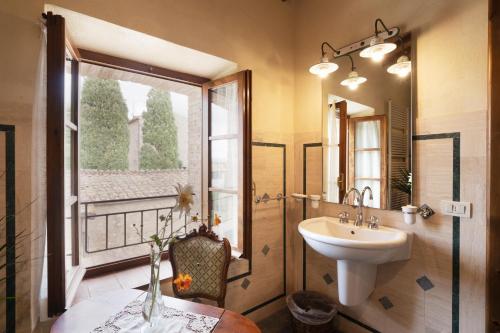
456	208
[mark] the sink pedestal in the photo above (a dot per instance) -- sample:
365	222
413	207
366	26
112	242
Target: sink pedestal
356	281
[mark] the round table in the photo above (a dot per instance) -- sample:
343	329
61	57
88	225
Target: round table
89	314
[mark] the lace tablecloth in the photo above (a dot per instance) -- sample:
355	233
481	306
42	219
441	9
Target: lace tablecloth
174	321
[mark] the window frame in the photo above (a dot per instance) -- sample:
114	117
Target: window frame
383	154
56	61
58	43
72	125
244	137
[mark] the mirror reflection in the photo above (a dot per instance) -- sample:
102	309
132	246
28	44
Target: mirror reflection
367	132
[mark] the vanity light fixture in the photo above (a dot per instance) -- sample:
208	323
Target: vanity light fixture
353	79
374	47
401	68
325	67
378	46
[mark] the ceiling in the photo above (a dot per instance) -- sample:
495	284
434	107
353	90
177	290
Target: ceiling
352	107
101	36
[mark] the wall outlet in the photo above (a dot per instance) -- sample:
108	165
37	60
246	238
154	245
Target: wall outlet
456	208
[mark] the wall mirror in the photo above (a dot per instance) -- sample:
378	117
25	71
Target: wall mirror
367	131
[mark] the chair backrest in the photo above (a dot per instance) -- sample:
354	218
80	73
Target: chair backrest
206	258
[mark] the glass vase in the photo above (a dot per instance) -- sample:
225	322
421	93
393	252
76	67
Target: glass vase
153	304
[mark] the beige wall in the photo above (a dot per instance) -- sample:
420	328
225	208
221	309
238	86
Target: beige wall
451	96
18	65
278	41
256	35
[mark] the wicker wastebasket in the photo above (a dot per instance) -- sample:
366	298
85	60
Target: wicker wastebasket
311	312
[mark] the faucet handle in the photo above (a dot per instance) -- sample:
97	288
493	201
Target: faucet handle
358	222
374	222
344	217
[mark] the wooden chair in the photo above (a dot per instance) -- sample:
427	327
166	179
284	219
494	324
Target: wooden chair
206	258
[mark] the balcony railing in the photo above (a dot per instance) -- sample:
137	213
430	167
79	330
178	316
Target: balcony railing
124	216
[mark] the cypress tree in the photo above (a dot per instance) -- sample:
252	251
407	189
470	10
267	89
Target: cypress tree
159	133
103	126
149	158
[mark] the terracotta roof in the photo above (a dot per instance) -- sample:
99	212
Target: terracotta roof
98	185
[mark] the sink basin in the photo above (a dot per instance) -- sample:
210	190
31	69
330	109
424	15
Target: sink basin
358	251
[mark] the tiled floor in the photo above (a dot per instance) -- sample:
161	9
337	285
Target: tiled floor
130	278
279	322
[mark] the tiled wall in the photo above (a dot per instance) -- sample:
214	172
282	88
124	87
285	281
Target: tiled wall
413	295
252	292
267	279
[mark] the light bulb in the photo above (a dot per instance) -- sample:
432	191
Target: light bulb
353	80
324	68
377	56
378	47
401	68
403	73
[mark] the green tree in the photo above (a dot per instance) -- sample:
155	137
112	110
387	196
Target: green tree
159	133
149	157
103	126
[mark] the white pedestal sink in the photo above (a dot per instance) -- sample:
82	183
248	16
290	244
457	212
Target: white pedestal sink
358	251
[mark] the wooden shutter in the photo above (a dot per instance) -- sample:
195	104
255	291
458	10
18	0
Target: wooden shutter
399	152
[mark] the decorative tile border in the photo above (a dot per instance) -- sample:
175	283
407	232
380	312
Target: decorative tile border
259	306
455	296
328	279
245	284
425	283
304	205
386	302
10	227
455	136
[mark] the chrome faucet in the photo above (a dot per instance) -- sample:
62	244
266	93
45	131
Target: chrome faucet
373	222
367	188
359	216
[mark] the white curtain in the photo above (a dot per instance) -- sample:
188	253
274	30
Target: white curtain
38	185
368	163
332	157
368	134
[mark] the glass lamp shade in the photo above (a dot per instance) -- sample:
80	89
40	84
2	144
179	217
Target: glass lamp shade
377	49
353	80
402	67
324	68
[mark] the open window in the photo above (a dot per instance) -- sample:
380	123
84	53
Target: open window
120	135
227	147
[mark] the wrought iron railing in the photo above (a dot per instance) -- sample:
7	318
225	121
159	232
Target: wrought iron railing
91	217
